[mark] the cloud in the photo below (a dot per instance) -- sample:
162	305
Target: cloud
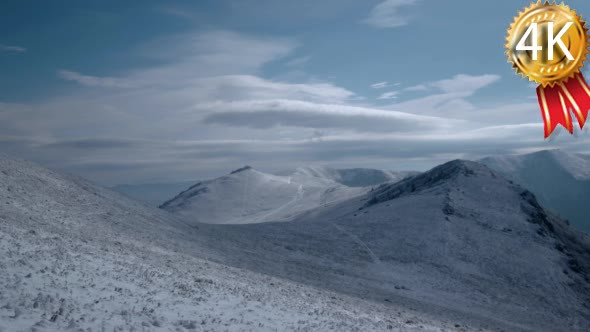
188	58
201	127
158	101
248	87
95	144
95	81
387	14
117	160
449	96
12	48
211	53
389	95
380	85
416	88
205	108
460	83
272	113
298	62
465	83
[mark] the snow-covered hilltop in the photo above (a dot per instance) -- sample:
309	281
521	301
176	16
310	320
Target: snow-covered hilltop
74	256
560	180
249	196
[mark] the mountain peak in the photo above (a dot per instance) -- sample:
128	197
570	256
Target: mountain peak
436	176
459	165
242	169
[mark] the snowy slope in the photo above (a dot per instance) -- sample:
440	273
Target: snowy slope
559	179
249	196
458	241
75	257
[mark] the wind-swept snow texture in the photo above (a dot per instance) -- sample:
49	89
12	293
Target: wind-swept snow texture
560	180
75	257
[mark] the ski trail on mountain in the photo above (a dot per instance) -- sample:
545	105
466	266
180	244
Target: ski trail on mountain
360	242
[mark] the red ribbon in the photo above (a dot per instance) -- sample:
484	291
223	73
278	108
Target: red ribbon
557	101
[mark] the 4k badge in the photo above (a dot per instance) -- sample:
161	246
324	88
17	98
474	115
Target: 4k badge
548	44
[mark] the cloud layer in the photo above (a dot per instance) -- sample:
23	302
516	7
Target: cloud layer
207	107
294	113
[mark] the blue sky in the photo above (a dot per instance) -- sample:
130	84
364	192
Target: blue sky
143	91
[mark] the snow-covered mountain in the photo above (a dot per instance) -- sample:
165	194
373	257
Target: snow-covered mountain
74	256
458	248
154	194
457	241
560	180
250	196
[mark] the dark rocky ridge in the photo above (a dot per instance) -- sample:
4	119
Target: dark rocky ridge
427	180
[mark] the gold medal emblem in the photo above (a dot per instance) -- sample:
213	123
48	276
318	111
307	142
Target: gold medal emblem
547	43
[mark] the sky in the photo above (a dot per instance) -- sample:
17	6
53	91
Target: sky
158	91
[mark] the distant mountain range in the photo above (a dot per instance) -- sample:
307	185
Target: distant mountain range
560	180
